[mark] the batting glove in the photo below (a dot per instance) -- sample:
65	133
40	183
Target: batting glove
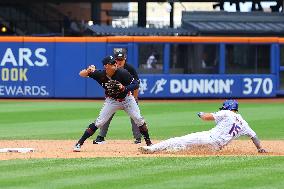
200	114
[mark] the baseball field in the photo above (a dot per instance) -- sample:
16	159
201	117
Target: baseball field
52	127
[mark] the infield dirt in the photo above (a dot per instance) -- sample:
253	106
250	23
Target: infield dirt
126	148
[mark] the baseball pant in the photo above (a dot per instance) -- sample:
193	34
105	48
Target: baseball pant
135	128
186	142
110	106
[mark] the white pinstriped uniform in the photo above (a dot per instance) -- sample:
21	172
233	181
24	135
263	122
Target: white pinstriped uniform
229	126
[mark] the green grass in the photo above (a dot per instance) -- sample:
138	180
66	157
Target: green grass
67	120
141	173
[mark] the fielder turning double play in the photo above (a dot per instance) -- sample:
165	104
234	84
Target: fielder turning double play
118	84
229	125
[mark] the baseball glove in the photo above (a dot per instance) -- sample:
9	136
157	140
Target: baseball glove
114	88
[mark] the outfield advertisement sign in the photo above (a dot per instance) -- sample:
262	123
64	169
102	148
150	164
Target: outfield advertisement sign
39	70
26	71
183	86
32	69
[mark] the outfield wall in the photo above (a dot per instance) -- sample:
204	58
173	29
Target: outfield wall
48	67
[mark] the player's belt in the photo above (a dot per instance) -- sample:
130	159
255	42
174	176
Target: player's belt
120	99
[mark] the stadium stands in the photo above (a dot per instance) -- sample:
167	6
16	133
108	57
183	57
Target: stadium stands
208	23
237	23
137	31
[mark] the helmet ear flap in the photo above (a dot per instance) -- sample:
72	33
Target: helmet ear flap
224	106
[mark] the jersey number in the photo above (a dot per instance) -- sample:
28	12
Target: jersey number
234	130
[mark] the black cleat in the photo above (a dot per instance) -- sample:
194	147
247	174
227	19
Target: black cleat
99	140
137	141
148	142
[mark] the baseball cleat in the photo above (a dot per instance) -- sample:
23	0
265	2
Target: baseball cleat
146	150
148	142
96	142
99	140
77	148
137	141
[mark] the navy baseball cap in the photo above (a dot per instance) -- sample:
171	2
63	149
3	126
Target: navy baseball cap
108	60
120	55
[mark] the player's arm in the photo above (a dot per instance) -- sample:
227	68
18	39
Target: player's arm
87	71
132	86
250	133
256	142
134	74
135	93
133	83
206	116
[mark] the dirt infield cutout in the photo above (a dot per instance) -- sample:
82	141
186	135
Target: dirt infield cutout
125	148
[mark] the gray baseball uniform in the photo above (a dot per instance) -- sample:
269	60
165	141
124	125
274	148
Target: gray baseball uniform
135	128
118	84
123	100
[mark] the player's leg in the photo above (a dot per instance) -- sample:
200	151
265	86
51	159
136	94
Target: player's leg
106	112
172	144
135	129
88	132
131	108
182	143
109	108
200	139
104	128
103	132
194	140
136	132
144	131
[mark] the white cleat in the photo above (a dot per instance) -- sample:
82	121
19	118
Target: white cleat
77	148
146	150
